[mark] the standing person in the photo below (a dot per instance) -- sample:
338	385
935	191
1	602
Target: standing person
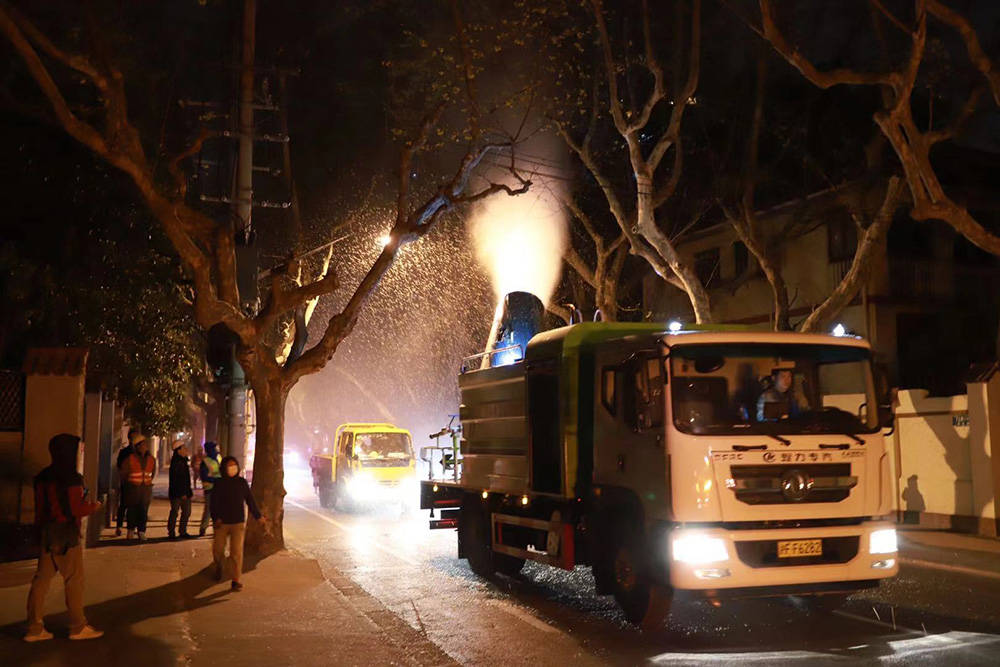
209	473
180	491
229	495
138	470
60	503
134	436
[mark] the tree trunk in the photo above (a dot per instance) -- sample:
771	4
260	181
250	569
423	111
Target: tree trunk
269	473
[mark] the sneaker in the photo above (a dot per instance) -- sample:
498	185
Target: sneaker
130	535
142	537
87	633
39	636
237	586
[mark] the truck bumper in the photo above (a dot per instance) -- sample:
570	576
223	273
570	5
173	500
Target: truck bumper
716	559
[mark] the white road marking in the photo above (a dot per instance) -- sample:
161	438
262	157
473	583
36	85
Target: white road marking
523	615
916	562
347	529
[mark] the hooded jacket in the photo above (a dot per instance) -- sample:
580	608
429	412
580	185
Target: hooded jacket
180	479
59	496
229	495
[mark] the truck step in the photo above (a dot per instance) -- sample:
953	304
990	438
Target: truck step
560	551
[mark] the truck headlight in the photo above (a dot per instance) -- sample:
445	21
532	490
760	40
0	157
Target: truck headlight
882	541
699	549
362	488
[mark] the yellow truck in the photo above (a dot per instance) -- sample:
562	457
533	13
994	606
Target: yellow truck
370	465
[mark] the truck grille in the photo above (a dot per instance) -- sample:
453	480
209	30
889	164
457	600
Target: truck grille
793	483
764	553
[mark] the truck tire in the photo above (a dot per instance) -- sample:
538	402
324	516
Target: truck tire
327	496
477	543
644	603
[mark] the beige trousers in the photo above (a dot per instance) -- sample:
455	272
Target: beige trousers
233	532
70	565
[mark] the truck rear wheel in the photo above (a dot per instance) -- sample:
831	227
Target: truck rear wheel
477	543
327	496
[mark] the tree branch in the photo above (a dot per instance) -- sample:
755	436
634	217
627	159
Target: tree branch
978	57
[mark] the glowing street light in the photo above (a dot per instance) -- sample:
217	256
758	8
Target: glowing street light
839	330
675	326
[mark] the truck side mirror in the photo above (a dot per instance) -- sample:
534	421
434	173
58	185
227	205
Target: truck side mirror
887	409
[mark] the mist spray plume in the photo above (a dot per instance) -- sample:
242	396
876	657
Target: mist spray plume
520	241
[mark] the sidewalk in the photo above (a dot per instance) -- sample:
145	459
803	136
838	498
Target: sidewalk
956	552
159	605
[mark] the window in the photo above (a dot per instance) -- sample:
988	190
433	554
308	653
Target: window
609	396
345	444
646	392
841	238
706	265
741	259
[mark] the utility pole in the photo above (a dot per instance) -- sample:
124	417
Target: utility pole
246	259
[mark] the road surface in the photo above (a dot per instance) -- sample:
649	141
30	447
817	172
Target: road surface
552	617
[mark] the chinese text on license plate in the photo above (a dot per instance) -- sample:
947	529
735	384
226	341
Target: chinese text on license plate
798	548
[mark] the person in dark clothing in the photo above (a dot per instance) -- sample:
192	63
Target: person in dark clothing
230	493
180	491
138	470
134	436
209	473
60	503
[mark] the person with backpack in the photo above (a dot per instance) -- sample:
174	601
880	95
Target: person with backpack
60	503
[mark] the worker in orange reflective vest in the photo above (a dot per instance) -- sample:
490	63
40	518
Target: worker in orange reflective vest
138	470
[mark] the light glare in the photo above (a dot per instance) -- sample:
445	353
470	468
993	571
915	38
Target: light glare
883	541
698	549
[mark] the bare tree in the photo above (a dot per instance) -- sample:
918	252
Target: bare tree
766	247
604	275
911	144
638	220
206	246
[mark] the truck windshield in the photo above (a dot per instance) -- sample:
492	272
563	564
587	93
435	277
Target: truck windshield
376	446
765	388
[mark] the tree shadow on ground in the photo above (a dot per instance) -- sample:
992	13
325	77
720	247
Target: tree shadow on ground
118	617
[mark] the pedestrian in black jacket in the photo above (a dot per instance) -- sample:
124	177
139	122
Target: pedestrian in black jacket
230	493
134	436
180	491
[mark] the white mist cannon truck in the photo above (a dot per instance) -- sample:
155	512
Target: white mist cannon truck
712	463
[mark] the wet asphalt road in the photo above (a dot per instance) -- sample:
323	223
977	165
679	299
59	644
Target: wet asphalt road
552	617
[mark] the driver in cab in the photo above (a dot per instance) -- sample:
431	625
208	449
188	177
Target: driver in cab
778	401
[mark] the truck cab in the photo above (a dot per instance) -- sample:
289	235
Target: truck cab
678	463
371	464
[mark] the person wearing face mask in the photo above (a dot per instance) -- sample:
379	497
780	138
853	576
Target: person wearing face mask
229	496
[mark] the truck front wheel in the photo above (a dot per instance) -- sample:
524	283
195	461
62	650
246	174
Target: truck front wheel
645	603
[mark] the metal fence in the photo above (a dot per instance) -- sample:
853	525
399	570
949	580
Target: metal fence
11	401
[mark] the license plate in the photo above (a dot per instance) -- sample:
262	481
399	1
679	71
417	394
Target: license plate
799	548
